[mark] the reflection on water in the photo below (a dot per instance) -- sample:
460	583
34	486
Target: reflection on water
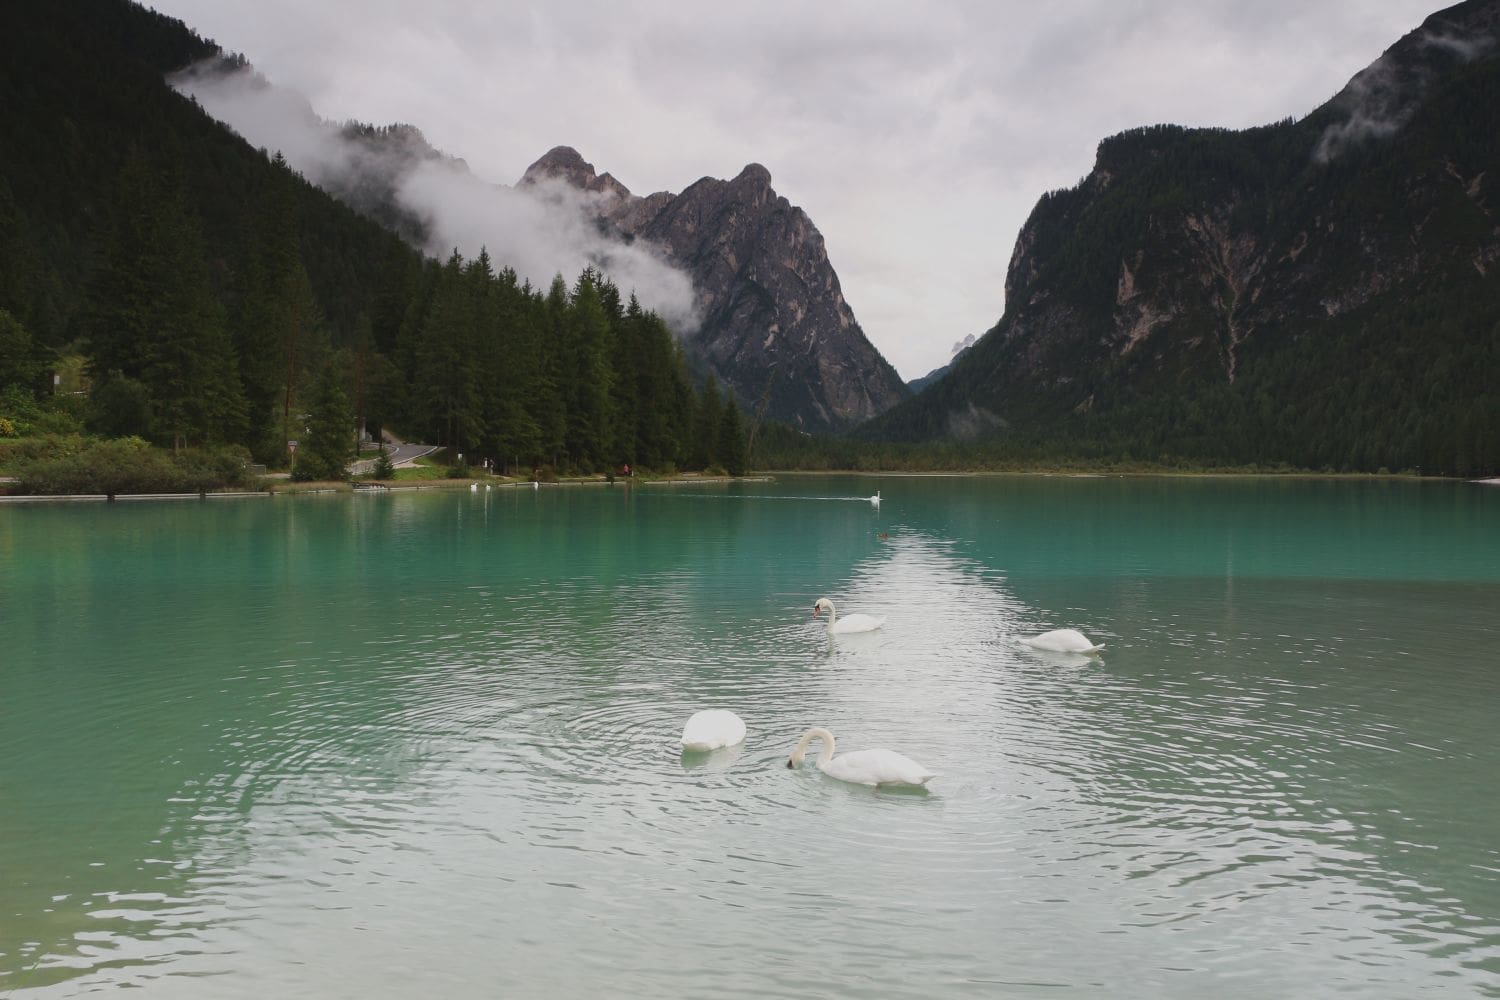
382	745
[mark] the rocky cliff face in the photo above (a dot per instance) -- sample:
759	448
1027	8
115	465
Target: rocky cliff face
776	328
1205	271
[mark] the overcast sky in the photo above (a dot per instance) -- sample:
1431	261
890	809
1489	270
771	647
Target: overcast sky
916	136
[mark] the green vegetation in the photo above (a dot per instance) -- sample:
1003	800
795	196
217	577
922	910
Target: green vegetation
195	294
130	465
210	298
1334	314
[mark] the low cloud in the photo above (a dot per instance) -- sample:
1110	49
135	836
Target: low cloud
539	231
1383	97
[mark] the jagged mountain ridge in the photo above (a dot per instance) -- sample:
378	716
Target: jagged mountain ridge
776	328
1211	286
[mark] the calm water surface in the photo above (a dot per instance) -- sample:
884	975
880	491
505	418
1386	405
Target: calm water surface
423	744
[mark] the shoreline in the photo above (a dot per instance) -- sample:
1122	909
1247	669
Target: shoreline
370	486
396	486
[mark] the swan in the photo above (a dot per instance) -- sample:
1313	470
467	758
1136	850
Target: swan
862	767
712	729
875	500
473	487
1062	640
849	623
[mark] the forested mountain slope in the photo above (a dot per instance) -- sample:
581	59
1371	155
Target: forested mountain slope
218	299
1322	292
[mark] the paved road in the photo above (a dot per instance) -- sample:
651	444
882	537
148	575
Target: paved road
400	452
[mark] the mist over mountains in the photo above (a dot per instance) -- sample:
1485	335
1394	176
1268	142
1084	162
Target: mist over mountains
740	274
394	175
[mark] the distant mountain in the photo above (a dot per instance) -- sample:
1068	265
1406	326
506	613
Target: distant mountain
776	327
916	385
1322	292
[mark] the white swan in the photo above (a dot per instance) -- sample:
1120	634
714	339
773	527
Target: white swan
712	729
847	624
1062	640
876	498
862	767
473	487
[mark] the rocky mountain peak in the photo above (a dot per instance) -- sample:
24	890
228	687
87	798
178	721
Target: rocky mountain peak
753	175
776	329
566	164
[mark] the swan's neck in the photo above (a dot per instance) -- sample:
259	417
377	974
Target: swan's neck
816	733
832	614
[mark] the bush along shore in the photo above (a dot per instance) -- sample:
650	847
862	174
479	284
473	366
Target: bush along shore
62	466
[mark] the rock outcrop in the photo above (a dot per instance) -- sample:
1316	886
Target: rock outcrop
775	326
1240	294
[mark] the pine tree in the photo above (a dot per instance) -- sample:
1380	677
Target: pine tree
22	363
591	375
732	446
154	317
279	331
447	385
328	448
706	421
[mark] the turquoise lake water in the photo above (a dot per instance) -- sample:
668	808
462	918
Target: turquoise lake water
424	743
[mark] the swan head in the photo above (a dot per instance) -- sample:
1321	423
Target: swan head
822	604
800	750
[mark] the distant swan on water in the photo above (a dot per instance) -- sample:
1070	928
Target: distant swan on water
875	499
862	767
712	729
847	624
1062	640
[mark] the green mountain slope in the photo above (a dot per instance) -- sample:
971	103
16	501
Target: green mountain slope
83	91
218	299
1322	292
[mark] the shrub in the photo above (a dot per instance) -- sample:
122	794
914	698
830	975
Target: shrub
17	451
213	468
130	465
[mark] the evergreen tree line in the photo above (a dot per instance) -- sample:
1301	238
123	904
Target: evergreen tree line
574	379
218	299
577	379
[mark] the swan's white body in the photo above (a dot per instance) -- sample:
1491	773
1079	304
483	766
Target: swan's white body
876	498
848	623
1062	640
712	729
473	487
862	767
